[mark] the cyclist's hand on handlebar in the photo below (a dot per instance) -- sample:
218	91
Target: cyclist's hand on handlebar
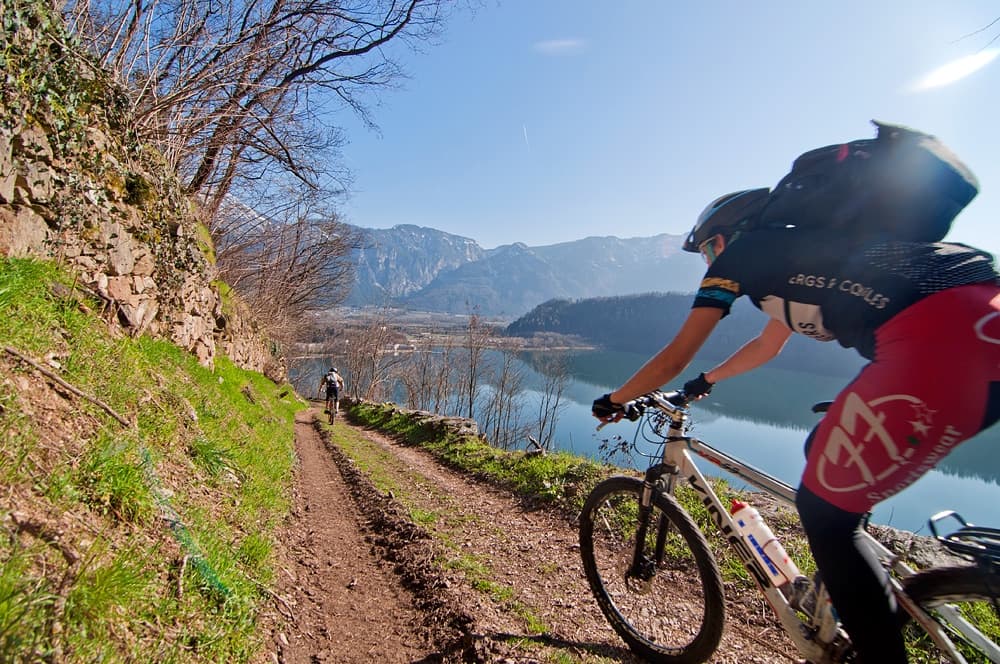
632	411
607	410
697	388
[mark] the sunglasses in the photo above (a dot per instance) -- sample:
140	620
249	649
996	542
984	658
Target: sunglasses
707	249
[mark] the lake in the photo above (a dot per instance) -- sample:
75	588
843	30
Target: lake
762	417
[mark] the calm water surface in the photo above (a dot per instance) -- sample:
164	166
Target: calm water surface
764	417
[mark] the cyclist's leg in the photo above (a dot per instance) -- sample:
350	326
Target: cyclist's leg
855	579
934	383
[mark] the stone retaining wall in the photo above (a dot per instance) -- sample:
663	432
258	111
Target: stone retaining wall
110	210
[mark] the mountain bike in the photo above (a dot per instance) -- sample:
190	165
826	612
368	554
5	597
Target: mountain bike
658	582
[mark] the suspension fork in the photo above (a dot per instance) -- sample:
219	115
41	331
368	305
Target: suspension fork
658	479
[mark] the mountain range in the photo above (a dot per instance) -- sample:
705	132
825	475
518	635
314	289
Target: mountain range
429	270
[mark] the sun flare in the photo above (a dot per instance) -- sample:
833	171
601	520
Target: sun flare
956	70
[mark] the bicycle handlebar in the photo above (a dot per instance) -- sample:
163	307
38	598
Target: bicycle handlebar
669	402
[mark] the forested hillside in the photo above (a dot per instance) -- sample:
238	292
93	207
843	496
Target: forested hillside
644	323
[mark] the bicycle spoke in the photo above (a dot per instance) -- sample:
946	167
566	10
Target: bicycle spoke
963	602
660	606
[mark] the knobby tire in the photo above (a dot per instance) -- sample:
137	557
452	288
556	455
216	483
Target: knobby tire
678	615
975	590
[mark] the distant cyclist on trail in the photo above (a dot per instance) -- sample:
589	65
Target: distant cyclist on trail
332	383
926	314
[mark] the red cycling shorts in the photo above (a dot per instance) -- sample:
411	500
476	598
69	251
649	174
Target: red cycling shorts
927	390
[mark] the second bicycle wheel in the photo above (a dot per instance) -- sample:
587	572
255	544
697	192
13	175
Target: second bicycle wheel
670	607
973	596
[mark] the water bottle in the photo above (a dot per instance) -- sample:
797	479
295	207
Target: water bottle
766	548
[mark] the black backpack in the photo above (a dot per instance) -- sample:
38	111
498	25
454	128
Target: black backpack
903	184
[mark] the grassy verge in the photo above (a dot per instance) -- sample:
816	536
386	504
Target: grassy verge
142	491
557	478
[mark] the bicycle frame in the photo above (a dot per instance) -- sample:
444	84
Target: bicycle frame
826	641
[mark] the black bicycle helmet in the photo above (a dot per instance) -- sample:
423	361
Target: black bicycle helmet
726	215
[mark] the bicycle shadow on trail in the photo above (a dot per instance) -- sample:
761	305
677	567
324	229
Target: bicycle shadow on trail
613	653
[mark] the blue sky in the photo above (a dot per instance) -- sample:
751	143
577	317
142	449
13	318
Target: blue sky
545	121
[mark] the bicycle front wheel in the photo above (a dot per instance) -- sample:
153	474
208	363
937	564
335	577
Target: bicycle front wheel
966	602
669	606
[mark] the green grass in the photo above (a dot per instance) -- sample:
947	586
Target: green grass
479	576
982	614
424	517
167	525
26	603
111	480
557	478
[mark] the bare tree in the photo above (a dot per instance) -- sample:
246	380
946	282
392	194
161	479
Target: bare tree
428	378
239	93
477	335
370	361
416	377
501	414
445	385
990	29
556	377
287	262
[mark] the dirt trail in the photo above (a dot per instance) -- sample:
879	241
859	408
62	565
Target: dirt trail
347	605
498	581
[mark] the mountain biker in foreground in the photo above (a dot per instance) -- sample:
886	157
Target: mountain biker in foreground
333	383
926	316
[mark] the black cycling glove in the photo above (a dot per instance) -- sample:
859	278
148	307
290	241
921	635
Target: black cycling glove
605	407
696	388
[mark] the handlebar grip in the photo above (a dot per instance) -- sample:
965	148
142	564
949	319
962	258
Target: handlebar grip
677	398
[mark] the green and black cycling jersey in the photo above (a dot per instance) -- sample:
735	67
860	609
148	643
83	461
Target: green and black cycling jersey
824	286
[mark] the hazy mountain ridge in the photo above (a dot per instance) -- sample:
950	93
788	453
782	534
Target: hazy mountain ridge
511	278
427	269
394	263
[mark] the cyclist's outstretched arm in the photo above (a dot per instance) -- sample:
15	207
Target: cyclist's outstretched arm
674	358
759	350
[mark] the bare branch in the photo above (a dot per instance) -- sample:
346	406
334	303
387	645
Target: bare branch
223	87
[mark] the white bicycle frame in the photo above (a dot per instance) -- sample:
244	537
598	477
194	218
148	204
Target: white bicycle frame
829	638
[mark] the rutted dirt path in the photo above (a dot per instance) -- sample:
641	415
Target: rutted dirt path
346	605
498	581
